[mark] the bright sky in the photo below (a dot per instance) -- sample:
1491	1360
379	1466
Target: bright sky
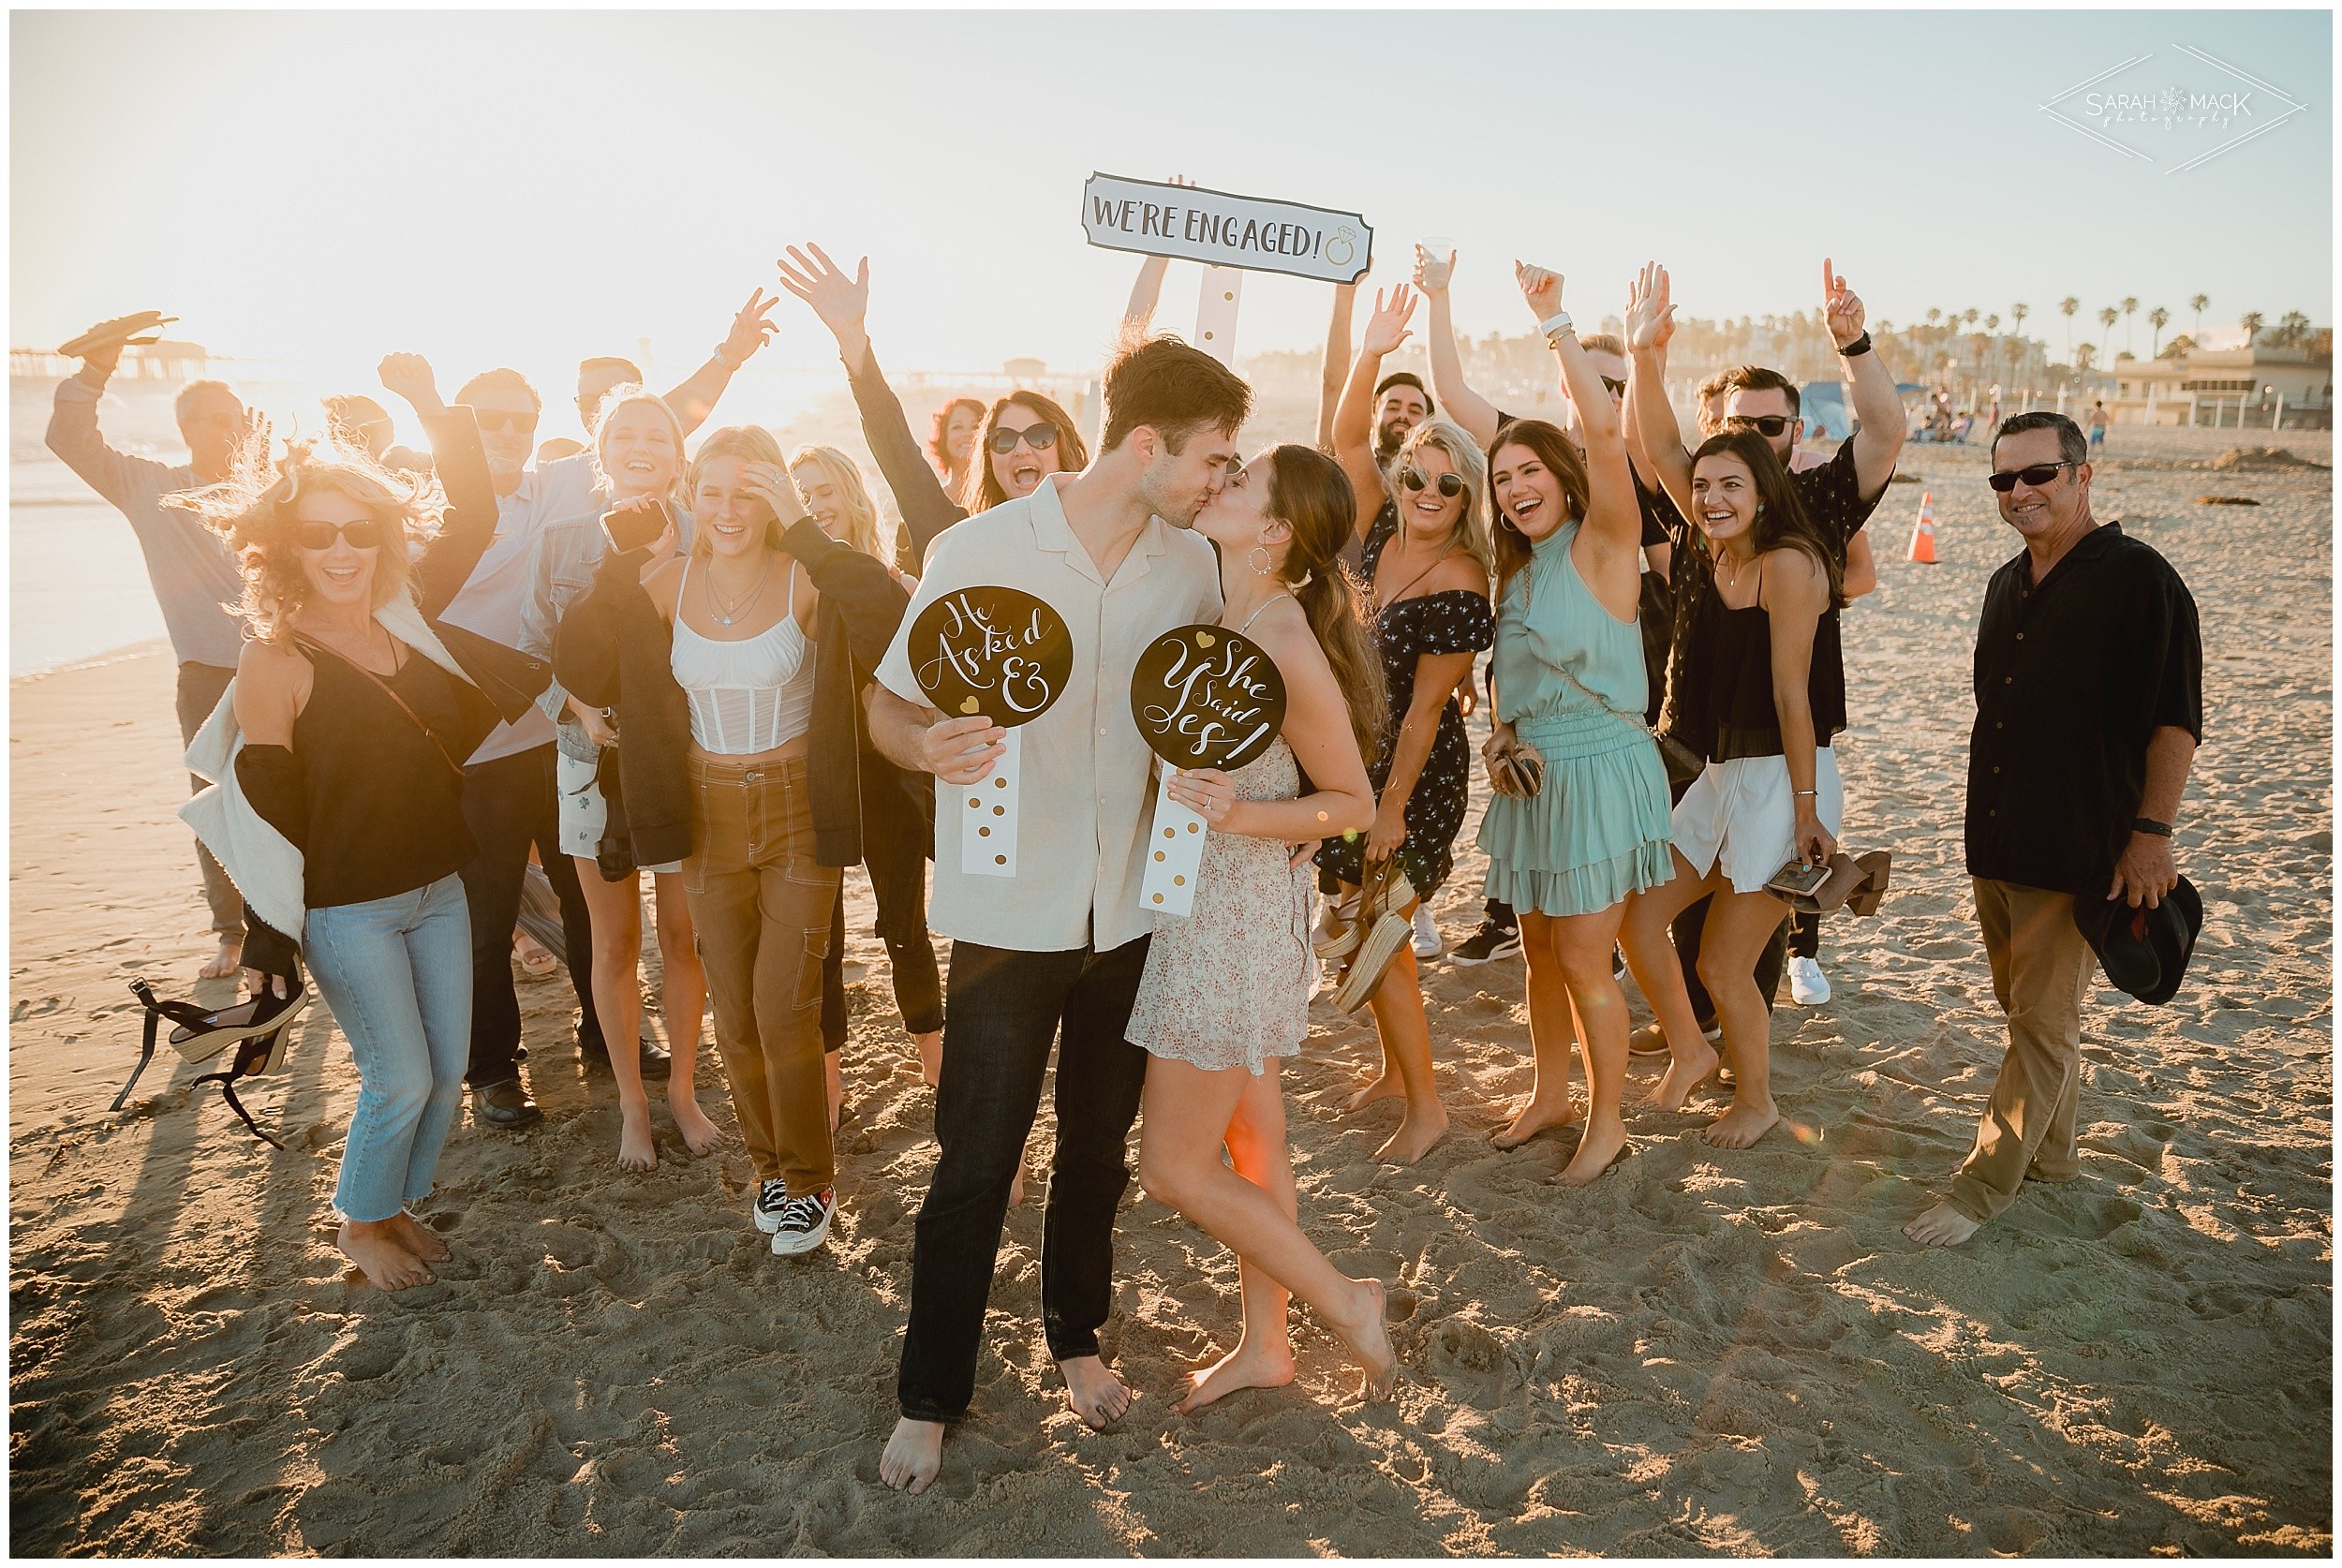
530	187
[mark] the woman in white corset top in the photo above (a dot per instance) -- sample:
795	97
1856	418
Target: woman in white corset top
742	611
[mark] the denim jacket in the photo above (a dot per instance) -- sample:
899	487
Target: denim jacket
561	566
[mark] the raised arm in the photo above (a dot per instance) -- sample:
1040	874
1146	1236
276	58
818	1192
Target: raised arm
1878	406
1354	422
1649	322
1335	372
470	523
696	397
74	437
1613	520
843	306
1795	593
1476	414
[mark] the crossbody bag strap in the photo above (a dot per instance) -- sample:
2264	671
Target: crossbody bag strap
387	690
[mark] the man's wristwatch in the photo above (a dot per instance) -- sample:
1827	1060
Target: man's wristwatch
1859	345
2149	825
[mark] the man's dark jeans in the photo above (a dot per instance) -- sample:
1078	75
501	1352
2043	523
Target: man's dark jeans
509	805
1001	1010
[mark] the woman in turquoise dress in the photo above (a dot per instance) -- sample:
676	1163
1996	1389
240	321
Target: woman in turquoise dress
1570	687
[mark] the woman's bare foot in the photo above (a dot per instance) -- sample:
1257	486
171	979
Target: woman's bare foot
1418	1129
1017	1185
1685	1073
1535	1114
417	1238
1369	1340
699	1133
930	1048
1743	1124
1093	1393
1387	1086
913	1455
834	1078
1604	1142
1248	1365
227	961
1942	1226
372	1247
637	1151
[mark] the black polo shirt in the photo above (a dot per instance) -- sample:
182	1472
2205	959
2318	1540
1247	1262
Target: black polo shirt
2073	674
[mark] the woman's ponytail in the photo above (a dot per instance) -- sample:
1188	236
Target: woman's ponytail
1311	493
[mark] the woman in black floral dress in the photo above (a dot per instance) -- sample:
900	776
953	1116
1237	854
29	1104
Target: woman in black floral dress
1428	562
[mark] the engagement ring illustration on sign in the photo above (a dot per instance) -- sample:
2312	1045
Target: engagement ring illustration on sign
1203	697
998	654
1342	248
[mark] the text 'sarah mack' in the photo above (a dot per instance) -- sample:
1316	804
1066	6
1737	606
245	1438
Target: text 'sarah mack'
1220	230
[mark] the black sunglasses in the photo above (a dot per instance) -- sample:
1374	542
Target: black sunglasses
1040	437
1616	389
1449	485
1767	425
364	534
500	419
2036	476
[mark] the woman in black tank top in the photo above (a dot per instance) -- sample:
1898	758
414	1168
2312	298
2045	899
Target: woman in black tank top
353	738
1755	690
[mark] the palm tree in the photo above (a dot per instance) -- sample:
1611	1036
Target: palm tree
2017	313
1934	314
2195	303
1968	316
2067	307
2251	321
2130	305
2159	318
2107	319
2083	355
2293	329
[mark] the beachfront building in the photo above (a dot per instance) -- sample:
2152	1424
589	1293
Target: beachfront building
2262	387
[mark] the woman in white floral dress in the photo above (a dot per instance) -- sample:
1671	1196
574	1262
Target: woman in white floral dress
1226	990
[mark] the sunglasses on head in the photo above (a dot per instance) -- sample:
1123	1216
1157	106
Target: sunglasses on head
364	534
1767	425
2038	475
1449	485
1040	437
494	419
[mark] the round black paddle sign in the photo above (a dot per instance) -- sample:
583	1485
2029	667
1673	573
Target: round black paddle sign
1205	697
994	651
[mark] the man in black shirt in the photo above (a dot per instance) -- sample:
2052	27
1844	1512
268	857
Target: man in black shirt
2089	695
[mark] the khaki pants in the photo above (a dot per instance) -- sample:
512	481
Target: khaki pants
763	910
2041	970
200	687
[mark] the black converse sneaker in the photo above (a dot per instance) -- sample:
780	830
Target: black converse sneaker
1491	942
772	1200
804	1224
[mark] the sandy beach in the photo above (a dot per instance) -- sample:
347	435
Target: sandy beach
1705	1352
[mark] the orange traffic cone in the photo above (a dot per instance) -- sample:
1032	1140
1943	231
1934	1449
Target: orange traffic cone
1923	532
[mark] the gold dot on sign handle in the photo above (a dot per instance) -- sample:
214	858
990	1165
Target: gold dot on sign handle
1000	811
1158	854
983	832
1000	783
1179	881
1168	832
1193	827
1000	860
973	803
1158	897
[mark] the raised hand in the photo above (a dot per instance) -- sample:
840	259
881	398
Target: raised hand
771	483
1432	272
410	376
842	302
1650	309
1840	306
1386	329
1540	288
751	330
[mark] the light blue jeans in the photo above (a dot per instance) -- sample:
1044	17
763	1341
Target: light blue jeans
396	973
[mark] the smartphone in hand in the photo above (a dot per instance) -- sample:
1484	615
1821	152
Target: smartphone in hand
635	524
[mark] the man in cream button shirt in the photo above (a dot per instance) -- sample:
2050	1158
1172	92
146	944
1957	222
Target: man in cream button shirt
1061	945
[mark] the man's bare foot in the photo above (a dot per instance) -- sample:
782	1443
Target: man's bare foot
1248	1365
1387	1086
1535	1114
834	1077
637	1151
227	961
913	1455
1093	1393
372	1247
417	1238
1743	1125
930	1048
699	1133
1684	1074
1017	1185
1418	1129
1597	1152
1942	1226
1369	1340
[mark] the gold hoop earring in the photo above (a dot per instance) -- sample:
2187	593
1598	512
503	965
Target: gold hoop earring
1262	566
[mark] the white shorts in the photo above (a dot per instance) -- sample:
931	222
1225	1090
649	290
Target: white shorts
1742	812
583	812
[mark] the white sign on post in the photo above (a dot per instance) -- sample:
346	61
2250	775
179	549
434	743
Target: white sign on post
1190	224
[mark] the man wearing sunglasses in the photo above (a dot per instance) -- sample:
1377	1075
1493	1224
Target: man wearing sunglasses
2089	707
193	575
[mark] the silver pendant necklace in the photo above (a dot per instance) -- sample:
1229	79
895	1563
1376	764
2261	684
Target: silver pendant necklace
725	612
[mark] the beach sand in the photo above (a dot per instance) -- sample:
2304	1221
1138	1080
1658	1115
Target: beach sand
1704	1352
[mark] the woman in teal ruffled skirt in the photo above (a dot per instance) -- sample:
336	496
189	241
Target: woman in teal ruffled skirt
1570	687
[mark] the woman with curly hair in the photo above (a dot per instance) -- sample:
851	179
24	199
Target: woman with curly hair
337	807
